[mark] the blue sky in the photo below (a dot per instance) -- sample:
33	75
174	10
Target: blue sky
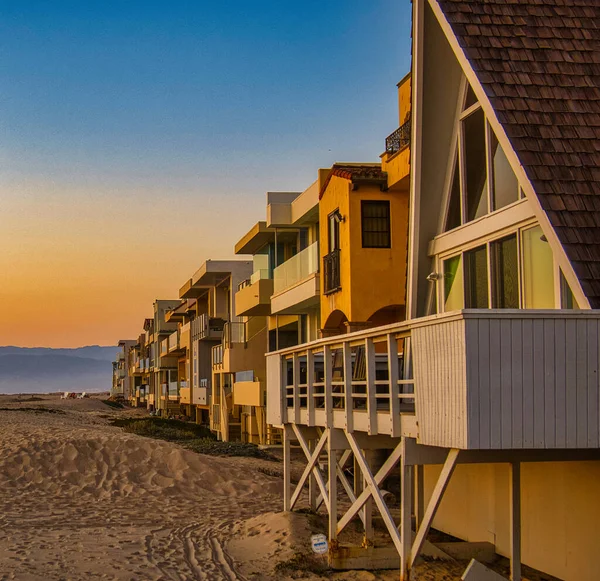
125	123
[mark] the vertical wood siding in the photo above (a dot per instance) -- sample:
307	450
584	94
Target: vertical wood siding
441	383
532	382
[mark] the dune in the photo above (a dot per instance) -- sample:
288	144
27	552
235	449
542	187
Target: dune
80	499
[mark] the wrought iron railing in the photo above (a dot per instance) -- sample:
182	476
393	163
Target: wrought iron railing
331	272
399	139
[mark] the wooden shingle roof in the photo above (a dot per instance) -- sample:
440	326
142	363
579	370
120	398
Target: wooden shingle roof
539	63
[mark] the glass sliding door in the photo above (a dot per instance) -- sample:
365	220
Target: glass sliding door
538	270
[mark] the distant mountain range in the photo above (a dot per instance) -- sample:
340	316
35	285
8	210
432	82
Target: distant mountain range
42	369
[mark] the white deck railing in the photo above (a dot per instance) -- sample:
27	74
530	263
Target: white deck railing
474	379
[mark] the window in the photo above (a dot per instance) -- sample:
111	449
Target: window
453	284
505	273
506	186
482	178
333	230
567	299
476	279
375	224
520	275
538	270
475	165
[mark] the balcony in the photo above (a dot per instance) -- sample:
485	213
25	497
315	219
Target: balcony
173	342
217	356
200	393
253	297
184	393
173	390
249	393
164	347
482	380
296	283
331	272
396	159
205	327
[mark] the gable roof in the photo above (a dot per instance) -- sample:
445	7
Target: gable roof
539	64
356	173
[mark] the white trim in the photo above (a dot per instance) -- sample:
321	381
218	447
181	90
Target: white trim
416	141
506	218
466	112
512	157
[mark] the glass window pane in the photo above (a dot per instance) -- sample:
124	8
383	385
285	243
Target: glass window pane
475	165
505	273
453	284
567	299
471	99
453	217
476	279
506	186
538	270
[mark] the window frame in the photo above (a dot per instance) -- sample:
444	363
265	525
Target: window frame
388	218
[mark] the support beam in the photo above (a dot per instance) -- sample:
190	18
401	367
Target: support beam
405	516
332	466
309	469
373	487
287	478
419	499
315	469
381	475
312	483
434	503
515	521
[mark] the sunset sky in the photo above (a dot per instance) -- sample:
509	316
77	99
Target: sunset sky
138	139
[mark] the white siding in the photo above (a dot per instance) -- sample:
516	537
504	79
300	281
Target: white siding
441	383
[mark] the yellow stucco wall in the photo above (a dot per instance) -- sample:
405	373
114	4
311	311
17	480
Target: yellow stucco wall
371	278
404	96
560	513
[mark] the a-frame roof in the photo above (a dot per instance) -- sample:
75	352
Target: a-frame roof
539	64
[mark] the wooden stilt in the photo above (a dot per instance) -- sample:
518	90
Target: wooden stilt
287	480
312	483
332	489
367	510
419	498
406	486
515	521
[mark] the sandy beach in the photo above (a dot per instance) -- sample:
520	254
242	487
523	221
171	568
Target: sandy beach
81	499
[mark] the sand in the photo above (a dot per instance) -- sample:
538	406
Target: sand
80	499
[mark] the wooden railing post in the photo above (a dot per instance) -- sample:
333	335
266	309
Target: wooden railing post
348	407
327	367
393	375
310	379
296	381
371	387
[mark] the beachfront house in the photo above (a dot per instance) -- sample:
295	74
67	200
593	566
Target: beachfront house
487	397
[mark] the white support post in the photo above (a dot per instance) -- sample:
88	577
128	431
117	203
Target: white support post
367	509
371	387
327	387
393	374
434	503
310	390
296	376
419	488
287	478
332	488
348	407
312	483
515	521
405	516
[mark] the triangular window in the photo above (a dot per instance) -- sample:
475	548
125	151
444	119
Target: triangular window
470	98
453	218
505	183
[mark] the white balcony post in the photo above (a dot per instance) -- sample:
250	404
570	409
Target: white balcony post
371	387
310	379
296	381
348	407
393	375
327	364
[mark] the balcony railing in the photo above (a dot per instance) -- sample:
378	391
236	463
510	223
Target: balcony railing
260	274
173	341
173	389
164	347
205	327
217	355
331	272
296	269
234	332
399	139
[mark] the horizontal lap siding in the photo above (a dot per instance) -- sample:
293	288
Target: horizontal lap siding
440	384
532	383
